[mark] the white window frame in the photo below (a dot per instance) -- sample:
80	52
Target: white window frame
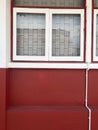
95	58
68	58
29	58
48	35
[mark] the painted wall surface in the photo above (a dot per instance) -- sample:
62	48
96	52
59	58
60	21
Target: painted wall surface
2	99
50	119
49	99
93	97
36	87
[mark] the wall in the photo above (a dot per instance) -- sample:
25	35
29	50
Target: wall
42	97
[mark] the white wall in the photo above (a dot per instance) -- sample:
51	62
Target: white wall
4	32
5	41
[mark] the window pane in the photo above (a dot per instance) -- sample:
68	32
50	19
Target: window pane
66	3
66	35
97	36
95	3
31	34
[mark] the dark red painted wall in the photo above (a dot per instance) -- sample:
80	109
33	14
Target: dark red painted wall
46	87
3	73
93	88
46	99
47	119
94	118
42	99
93	98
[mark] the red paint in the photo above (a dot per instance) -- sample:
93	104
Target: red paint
93	88
30	87
46	99
11	25
43	99
93	98
94	121
3	80
84	3
47	119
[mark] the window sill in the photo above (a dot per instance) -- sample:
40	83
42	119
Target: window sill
48	65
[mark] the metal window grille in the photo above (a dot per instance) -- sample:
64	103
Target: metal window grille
97	36
60	3
95	3
30	34
66	35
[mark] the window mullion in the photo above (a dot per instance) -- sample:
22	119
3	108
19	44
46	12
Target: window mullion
50	35
47	34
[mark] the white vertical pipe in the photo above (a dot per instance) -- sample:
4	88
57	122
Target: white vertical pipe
88	50
86	99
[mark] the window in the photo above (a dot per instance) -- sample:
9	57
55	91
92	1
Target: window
95	35
95	3
66	35
95	46
50	3
45	34
48	34
30	34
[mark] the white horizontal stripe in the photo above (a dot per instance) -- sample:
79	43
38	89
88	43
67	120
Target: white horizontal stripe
48	65
53	65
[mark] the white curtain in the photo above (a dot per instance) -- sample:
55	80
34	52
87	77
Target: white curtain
66	35
31	34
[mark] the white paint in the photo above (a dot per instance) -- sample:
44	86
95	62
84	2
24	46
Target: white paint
8	32
48	65
4	32
5	43
48	40
88	30
52	65
86	98
93	66
68	58
94	41
88	51
29	58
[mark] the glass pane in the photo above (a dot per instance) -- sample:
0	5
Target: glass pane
97	36
31	34
95	3
60	3
66	35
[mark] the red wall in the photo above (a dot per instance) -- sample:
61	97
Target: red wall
93	88
49	99
46	87
3	73
47	119
43	99
93	97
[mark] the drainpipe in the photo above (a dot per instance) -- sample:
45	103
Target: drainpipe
88	51
86	98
